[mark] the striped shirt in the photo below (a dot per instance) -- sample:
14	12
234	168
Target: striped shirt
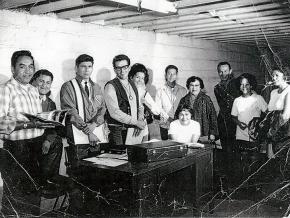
16	98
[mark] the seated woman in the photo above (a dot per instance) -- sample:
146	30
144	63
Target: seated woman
139	75
202	108
52	145
184	130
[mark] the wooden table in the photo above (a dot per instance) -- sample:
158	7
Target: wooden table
160	188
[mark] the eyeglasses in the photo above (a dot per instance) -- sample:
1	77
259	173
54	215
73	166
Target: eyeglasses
119	69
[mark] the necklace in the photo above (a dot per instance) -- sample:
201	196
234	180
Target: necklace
128	90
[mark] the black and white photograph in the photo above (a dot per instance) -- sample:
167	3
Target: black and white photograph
144	108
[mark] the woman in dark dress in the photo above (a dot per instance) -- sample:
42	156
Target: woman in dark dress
202	108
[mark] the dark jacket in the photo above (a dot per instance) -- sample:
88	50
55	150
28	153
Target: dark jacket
203	111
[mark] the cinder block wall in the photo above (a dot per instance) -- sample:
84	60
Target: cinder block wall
56	43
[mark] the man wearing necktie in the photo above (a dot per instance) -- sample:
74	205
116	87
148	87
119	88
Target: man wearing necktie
85	100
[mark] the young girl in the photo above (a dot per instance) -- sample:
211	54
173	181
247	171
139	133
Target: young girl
184	130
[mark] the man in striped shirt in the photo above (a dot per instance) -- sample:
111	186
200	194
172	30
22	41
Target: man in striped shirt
23	139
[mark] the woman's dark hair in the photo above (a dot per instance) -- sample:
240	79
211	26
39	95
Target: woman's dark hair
185	107
251	79
193	79
84	58
18	54
139	68
39	73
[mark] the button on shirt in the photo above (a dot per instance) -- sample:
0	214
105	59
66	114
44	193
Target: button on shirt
16	98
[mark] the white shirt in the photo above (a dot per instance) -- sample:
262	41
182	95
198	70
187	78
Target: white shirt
277	100
183	134
246	108
168	99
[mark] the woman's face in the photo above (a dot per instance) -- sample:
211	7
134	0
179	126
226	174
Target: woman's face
245	87
278	77
139	79
194	87
184	117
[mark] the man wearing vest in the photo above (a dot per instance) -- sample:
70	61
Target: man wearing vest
84	99
122	101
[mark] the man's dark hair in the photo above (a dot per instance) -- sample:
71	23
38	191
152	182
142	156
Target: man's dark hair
251	79
18	54
84	58
139	68
223	63
193	79
39	73
120	57
171	67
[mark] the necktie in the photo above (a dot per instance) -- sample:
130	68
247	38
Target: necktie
87	89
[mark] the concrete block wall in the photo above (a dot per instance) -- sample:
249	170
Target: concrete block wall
55	44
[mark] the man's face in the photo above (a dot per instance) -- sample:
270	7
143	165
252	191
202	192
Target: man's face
84	70
23	70
43	84
224	72
171	75
122	69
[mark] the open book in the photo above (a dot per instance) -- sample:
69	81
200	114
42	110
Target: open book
55	117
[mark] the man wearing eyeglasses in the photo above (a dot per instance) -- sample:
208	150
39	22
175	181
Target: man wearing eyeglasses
122	101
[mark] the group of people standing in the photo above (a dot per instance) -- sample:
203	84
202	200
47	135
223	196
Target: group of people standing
185	115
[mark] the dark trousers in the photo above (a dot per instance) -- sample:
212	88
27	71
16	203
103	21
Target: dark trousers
21	175
50	162
117	135
164	133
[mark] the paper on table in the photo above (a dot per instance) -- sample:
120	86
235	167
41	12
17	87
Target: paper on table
133	140
195	145
114	156
106	161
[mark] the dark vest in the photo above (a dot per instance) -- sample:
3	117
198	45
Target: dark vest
123	100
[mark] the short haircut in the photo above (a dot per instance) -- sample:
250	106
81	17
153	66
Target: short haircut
18	54
187	108
121	57
193	79
223	63
251	79
39	73
84	58
139	68
171	67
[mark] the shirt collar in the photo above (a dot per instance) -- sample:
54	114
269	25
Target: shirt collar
81	81
15	82
42	97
